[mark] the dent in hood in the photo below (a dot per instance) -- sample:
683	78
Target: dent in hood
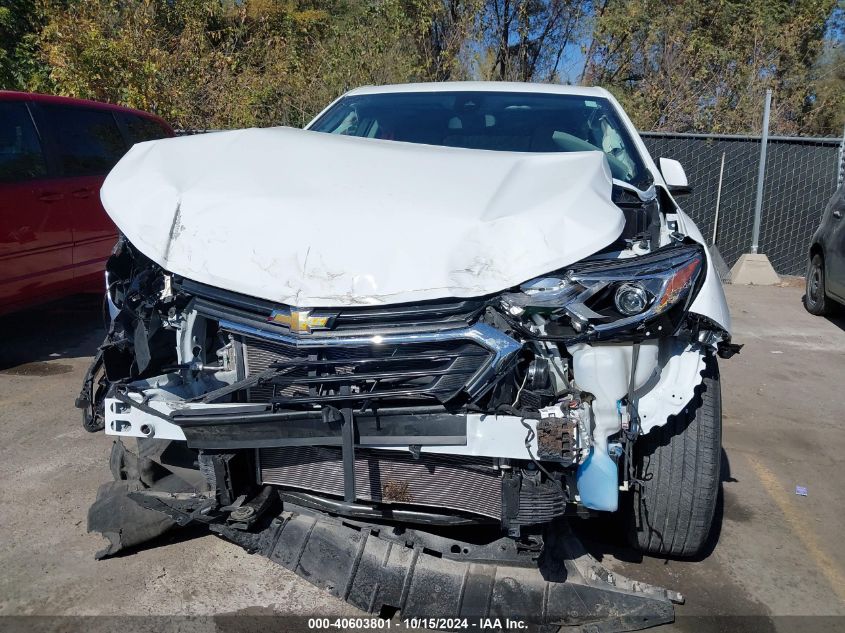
311	219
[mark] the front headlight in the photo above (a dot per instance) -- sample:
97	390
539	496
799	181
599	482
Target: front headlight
605	299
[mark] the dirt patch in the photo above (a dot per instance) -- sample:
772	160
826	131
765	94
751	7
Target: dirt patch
38	368
791	281
396	490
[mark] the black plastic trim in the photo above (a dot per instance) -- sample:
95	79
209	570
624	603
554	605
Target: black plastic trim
279	429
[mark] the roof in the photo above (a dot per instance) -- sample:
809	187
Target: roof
483	86
12	95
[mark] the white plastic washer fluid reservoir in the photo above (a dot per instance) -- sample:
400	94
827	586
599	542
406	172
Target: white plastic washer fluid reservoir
605	372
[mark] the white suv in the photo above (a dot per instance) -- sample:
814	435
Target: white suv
447	304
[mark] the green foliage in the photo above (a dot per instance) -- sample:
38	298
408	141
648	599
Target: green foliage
20	21
689	65
684	65
213	64
826	114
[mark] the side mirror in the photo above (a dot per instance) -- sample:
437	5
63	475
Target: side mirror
675	176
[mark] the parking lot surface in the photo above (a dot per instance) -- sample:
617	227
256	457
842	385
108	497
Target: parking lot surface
774	554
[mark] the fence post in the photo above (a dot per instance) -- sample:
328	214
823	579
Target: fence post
718	200
840	173
761	175
753	268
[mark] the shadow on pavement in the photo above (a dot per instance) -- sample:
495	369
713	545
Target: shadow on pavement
838	318
69	328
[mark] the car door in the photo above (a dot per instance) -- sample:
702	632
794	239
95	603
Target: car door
835	246
36	253
87	143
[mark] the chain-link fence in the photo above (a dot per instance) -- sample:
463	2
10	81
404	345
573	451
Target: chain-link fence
801	175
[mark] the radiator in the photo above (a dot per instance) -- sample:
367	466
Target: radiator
466	484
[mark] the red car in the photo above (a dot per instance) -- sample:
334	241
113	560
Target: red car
54	155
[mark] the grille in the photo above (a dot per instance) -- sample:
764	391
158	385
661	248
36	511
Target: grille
467	484
442	314
402	373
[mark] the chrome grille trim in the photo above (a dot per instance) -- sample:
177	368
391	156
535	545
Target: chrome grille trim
502	348
348	320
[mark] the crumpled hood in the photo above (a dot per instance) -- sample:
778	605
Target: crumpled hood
317	220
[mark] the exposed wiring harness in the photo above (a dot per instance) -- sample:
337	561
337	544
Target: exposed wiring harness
531	434
633	430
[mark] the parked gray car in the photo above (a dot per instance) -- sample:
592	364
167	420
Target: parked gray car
826	270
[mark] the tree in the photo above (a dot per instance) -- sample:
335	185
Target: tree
446	33
20	22
688	65
217	64
684	65
527	38
824	112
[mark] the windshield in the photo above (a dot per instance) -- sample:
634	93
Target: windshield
503	121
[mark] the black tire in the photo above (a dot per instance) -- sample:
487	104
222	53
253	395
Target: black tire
671	512
815	299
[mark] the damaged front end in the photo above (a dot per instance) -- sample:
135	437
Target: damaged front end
381	425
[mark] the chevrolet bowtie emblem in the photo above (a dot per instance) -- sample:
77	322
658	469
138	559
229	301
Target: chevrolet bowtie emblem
299	321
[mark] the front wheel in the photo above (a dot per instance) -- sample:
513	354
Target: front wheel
814	297
670	513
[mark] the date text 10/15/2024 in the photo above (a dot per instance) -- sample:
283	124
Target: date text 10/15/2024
447	624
